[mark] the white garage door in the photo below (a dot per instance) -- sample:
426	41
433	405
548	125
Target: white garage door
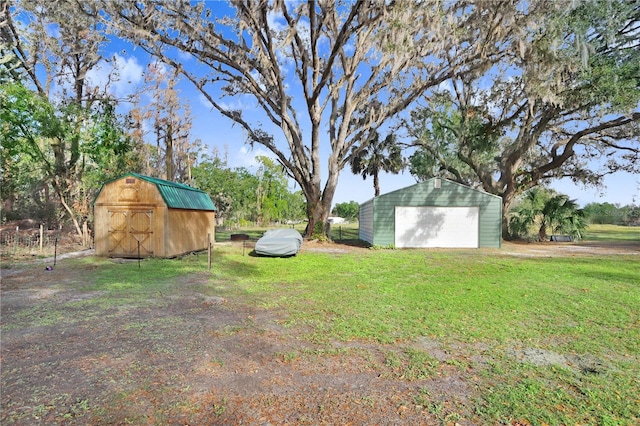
437	227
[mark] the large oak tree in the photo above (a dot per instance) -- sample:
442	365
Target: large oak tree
563	105
325	75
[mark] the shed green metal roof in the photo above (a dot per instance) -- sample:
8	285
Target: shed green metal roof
178	195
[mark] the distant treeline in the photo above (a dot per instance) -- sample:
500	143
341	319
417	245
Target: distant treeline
612	214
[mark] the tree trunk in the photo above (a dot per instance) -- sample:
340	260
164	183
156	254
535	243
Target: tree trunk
72	216
169	152
319	206
317	226
376	185
542	233
507	199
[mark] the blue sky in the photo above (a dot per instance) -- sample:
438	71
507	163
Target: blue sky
214	130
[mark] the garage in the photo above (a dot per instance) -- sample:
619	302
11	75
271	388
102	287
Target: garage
431	214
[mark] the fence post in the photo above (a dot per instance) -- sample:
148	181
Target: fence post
15	241
41	237
85	237
209	251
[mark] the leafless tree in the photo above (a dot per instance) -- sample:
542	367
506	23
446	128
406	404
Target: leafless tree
169	116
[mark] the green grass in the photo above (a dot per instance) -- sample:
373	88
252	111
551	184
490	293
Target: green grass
480	302
581	306
390	295
615	233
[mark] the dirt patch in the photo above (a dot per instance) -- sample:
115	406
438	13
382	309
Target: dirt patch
192	357
71	357
586	364
509	248
555	249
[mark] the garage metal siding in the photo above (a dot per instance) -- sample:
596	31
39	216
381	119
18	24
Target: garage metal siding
450	194
365	222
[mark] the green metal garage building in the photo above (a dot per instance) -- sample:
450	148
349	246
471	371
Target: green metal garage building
434	213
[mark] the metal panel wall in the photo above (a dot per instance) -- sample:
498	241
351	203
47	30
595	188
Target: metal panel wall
365	222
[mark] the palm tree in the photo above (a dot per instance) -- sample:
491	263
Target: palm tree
563	216
378	156
549	212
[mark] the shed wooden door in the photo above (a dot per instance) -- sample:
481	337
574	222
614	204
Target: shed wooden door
127	229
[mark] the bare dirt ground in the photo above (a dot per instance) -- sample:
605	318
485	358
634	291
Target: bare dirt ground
511	248
191	358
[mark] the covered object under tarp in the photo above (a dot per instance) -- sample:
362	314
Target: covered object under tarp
279	243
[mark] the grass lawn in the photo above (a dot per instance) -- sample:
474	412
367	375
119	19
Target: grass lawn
539	340
585	308
492	306
613	233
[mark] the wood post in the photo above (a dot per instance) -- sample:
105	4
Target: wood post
209	251
85	234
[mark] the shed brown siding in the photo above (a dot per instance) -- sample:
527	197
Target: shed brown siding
130	215
189	228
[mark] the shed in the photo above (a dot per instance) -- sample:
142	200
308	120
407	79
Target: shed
434	213
157	217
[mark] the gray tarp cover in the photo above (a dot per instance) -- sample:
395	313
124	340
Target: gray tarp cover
279	242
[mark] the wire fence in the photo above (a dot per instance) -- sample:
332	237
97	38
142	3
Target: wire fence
28	241
18	241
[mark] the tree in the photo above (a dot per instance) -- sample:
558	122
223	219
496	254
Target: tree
33	128
604	213
23	117
449	138
241	196
233	192
309	67
295	206
47	96
170	119
108	151
565	98
272	191
378	156
348	210
548	212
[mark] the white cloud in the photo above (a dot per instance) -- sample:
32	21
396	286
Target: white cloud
246	156
204	101
446	86
234	103
119	76
276	21
183	56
